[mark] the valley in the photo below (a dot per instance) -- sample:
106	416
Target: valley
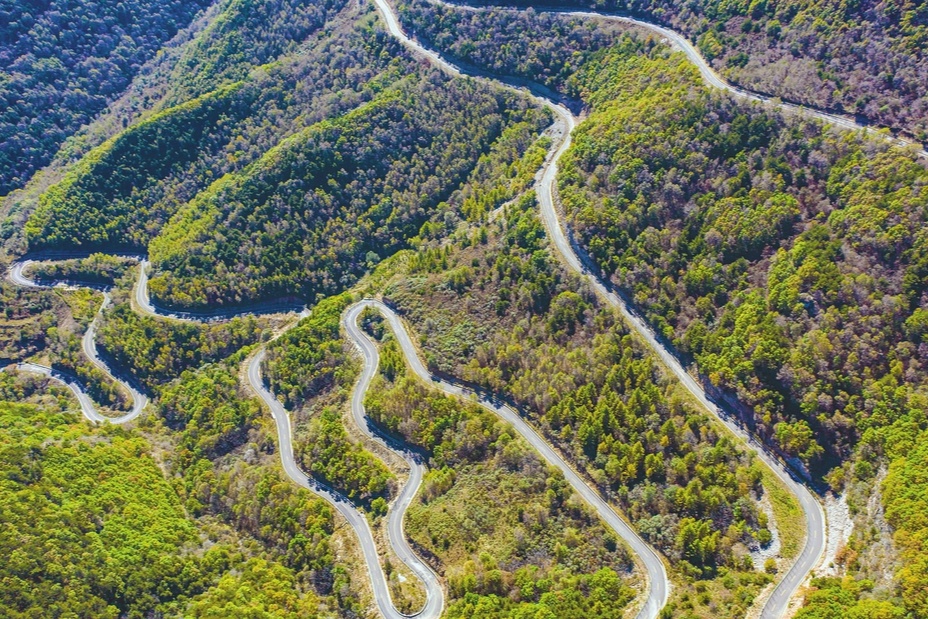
544	289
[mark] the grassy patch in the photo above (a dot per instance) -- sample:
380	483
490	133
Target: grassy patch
790	521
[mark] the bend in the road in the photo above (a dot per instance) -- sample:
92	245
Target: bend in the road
651	561
569	250
355	518
709	75
17	274
414	461
88	409
88	343
571	253
435	597
146	306
658	584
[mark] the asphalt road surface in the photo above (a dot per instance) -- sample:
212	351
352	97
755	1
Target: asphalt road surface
709	75
146	306
88	409
576	259
415	462
777	605
654	566
435	597
88	343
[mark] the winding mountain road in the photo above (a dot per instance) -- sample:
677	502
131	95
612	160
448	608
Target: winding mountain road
18	276
415	462
576	259
146	306
657	594
434	594
88	409
709	75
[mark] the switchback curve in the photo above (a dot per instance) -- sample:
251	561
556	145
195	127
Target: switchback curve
17	275
657	594
709	75
434	594
576	259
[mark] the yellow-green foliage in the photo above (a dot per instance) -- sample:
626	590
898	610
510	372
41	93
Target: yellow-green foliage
725	223
91	527
261	590
310	357
309	360
96	204
489	504
846	598
331	455
314	212
246	34
157	351
905	494
787	259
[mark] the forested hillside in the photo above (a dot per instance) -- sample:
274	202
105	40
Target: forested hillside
122	192
247	34
783	257
295	150
62	62
93	529
494	307
513	539
319	209
865	59
156	352
756	256
501	41
533	549
786	259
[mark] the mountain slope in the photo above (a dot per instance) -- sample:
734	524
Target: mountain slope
62	61
303	219
864	59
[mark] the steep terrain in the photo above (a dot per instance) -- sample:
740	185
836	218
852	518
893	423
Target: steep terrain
278	154
633	185
863	59
62	62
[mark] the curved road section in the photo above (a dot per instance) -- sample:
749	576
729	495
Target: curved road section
88	343
147	306
657	595
709	75
778	603
87	406
435	596
574	256
415	462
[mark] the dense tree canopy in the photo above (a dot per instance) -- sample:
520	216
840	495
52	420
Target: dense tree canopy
62	61
865	59
91	527
122	192
303	218
773	251
784	258
297	146
508	529
518	325
156	351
